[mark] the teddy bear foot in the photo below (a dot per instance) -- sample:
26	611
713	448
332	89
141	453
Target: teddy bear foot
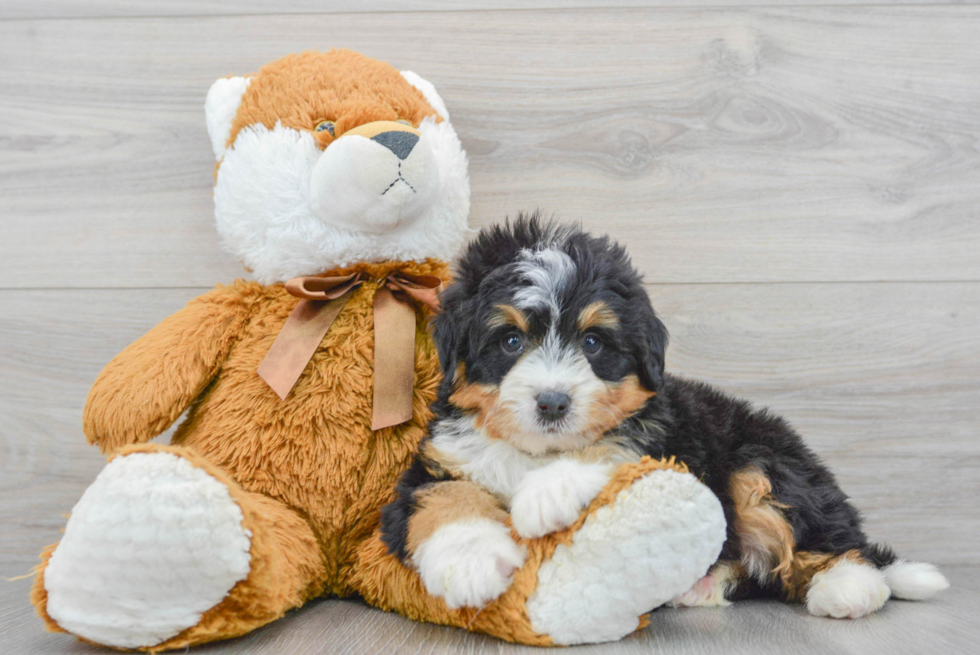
153	543
591	589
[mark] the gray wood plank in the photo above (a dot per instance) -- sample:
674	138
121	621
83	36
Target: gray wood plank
944	624
880	379
25	9
807	144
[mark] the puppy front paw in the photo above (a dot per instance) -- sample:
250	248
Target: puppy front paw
552	497
468	563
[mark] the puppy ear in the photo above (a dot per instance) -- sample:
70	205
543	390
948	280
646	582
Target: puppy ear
220	109
446	339
653	347
446	328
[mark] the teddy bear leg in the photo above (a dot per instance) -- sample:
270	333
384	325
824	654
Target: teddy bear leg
164	551
648	537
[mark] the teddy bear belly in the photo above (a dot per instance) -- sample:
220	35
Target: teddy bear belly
314	451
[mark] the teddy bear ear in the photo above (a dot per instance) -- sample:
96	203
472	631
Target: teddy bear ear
429	91
220	108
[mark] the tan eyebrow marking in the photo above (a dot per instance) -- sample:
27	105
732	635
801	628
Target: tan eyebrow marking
509	315
597	314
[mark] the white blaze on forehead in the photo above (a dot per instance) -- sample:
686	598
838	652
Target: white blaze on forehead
547	272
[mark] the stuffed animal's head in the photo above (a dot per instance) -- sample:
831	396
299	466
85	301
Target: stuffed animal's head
329	159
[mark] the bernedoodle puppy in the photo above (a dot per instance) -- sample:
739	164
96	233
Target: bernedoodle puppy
554	374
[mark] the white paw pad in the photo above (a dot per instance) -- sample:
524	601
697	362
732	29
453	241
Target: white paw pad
552	497
847	590
468	563
153	543
653	543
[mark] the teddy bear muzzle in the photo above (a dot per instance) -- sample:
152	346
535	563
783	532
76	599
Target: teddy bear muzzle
375	178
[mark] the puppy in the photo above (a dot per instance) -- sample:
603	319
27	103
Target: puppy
553	359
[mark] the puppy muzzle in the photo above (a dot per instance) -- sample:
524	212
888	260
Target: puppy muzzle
374	178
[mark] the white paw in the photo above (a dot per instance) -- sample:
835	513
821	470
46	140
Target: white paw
153	543
552	497
847	590
468	563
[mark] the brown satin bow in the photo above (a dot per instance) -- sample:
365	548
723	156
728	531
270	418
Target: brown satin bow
321	300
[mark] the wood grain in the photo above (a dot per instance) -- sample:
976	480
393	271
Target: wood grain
806	144
23	9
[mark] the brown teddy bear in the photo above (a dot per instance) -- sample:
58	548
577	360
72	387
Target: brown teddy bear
343	187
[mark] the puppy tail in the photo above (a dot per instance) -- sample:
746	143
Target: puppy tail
907	580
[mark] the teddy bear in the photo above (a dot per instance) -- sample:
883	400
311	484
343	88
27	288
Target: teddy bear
342	186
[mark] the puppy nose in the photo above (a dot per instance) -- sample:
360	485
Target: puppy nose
553	405
400	143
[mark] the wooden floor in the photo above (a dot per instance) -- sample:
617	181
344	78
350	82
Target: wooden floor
800	182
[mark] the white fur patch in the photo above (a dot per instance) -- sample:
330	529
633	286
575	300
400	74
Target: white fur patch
914	580
546	272
592	590
552	497
468	563
265	216
847	590
491	463
220	108
153	543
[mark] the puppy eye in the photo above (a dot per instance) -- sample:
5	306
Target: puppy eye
325	126
404	122
591	344
512	344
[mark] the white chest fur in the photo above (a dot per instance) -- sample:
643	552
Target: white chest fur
491	463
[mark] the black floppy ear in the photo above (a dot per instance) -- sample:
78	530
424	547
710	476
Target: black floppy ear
653	346
446	329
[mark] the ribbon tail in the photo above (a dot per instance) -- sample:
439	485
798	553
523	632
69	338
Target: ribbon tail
297	341
394	360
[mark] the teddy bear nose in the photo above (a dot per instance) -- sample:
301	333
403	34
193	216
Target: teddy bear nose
400	143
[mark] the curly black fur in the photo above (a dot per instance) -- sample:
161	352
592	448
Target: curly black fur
714	434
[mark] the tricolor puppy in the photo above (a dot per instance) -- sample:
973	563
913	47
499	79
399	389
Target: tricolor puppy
553	360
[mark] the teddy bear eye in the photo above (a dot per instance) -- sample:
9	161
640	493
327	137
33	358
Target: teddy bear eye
325	126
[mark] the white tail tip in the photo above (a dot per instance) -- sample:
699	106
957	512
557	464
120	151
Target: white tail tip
914	580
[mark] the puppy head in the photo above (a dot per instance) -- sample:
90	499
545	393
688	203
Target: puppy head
547	336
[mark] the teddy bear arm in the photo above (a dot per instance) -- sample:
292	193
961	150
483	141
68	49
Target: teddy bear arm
147	386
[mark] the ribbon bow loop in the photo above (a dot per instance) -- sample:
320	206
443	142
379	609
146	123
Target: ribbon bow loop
321	301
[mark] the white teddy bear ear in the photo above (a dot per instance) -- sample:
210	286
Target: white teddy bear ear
429	91
220	108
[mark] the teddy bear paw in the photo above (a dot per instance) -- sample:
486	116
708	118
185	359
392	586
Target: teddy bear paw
153	543
468	563
552	497
591	589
